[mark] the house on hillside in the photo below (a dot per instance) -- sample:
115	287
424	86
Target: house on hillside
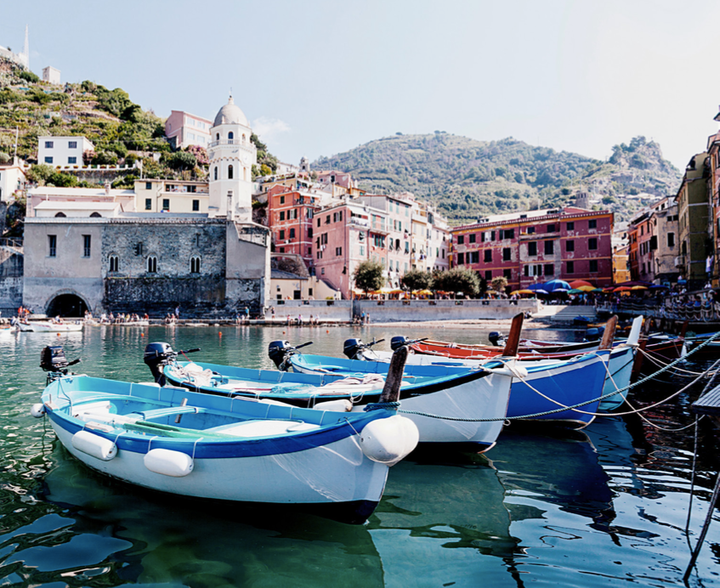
12	179
62	151
183	129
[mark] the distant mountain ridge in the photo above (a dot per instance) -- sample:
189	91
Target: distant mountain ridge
466	178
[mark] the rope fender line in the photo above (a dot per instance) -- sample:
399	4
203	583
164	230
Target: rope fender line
580	404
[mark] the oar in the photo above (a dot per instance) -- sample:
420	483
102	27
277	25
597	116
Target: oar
609	334
513	340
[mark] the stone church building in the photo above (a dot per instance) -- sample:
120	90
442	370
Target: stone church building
103	255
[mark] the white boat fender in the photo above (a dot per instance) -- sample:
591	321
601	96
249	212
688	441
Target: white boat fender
94	445
334	405
389	440
37	410
168	462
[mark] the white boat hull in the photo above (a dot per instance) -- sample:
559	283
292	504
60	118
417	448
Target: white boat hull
486	398
337	472
47	327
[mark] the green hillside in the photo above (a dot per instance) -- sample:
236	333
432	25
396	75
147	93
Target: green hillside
466	178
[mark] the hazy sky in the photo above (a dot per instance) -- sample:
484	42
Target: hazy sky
318	77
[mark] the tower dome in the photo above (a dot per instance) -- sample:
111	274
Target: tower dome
230	114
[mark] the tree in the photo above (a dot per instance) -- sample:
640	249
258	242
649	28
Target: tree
40	174
182	160
499	284
458	279
417	280
369	275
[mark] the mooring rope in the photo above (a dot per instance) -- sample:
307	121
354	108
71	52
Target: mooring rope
580	404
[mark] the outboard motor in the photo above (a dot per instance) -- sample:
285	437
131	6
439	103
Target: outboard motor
157	356
352	347
495	337
53	361
279	351
398	341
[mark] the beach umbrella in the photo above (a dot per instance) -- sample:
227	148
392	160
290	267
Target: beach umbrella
586	288
424	293
622	289
540	291
578	283
638	288
554	285
575	291
556	290
601	290
520	292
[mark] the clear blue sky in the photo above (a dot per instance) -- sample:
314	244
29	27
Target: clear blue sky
319	77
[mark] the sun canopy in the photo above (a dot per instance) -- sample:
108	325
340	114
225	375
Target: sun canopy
577	284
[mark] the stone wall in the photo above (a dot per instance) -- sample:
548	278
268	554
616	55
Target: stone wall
197	297
434	310
11	280
339	310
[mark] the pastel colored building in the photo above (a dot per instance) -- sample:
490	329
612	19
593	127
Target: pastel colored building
184	129
536	246
51	75
713	151
693	220
45	201
12	179
62	151
290	216
158	195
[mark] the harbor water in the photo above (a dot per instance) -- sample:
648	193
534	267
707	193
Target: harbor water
606	506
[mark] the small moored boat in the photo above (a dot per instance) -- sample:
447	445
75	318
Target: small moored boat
200	445
49	327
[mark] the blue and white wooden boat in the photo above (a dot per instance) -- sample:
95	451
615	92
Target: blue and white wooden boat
617	375
466	395
200	445
537	387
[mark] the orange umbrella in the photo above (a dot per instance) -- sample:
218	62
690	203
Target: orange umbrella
622	289
577	284
638	288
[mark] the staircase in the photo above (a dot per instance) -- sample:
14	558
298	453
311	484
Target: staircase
564	314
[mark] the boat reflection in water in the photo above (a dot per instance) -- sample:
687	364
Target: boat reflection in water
153	539
451	504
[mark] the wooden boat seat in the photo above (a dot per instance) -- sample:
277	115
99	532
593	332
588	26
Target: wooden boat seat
156	413
262	428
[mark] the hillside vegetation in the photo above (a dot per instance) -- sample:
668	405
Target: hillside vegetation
121	131
467	179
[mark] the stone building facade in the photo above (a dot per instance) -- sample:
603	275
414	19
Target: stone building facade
133	264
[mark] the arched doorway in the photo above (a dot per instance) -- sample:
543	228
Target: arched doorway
67	305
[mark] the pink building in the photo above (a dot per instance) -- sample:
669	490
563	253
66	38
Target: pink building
537	246
290	216
395	230
184	129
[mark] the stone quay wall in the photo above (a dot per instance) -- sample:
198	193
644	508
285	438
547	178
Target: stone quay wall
403	310
433	310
